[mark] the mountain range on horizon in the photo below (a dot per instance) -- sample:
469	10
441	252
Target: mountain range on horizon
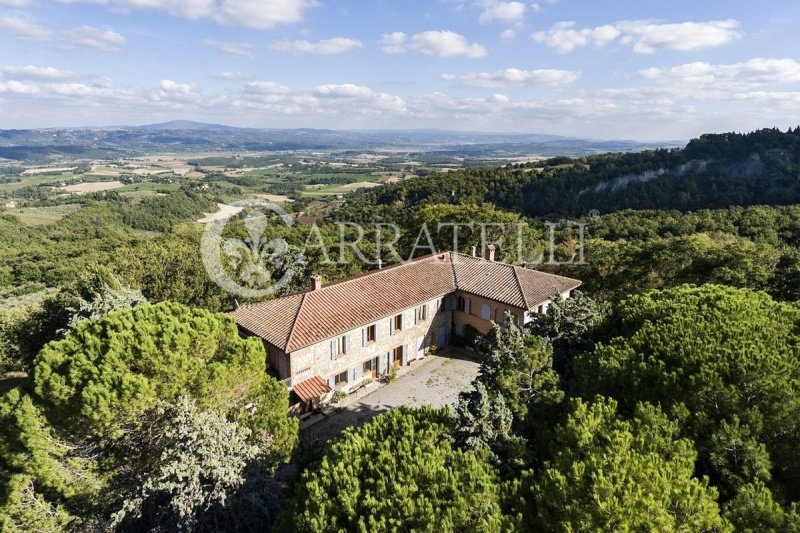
181	136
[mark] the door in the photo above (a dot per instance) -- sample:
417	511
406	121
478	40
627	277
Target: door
397	357
442	337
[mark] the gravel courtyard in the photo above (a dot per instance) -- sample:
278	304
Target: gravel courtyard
437	380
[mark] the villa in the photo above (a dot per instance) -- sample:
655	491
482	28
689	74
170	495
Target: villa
335	336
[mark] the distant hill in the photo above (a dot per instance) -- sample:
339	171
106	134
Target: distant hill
187	136
186	125
712	171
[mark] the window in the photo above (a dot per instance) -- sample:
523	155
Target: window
371	367
422	313
339	379
340	346
343	345
462	304
398	322
540	310
371	333
486	312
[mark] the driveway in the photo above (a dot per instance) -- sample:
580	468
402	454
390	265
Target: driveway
437	380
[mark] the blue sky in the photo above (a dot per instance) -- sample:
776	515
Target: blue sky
622	69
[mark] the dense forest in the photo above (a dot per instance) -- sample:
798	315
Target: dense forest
662	396
713	171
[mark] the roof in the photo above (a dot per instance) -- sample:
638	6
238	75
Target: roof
311	389
298	320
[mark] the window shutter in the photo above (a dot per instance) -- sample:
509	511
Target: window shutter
347	344
333	349
466	305
416	315
331	382
363	337
391	326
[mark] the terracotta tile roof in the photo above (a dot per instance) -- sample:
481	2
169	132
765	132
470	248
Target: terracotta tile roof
298	320
510	284
272	320
311	389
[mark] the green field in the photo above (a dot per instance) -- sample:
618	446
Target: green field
149	186
34	216
33	180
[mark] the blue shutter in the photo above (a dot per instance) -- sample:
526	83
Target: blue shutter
333	349
358	372
331	382
382	361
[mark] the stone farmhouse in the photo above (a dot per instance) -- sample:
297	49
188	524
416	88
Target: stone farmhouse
335	336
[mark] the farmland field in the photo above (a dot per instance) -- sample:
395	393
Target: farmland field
35	216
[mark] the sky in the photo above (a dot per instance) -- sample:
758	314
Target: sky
643	70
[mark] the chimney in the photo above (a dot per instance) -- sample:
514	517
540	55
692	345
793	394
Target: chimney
490	252
473	251
316	282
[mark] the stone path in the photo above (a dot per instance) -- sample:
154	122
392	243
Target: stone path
437	380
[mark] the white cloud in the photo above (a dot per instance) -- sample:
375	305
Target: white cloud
645	37
15	87
508	35
345	90
262	14
336	45
446	44
508	12
512	77
31	72
731	77
265	87
257	14
231	48
565	38
24	30
648	37
394	43
105	40
232	76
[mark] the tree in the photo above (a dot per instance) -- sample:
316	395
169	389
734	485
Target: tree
484	422
568	324
93	419
99	293
725	361
519	366
611	474
171	269
106	373
753	510
201	457
398	472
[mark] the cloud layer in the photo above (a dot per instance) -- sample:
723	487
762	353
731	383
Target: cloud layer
644	37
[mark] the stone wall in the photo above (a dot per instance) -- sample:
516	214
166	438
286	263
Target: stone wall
414	337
